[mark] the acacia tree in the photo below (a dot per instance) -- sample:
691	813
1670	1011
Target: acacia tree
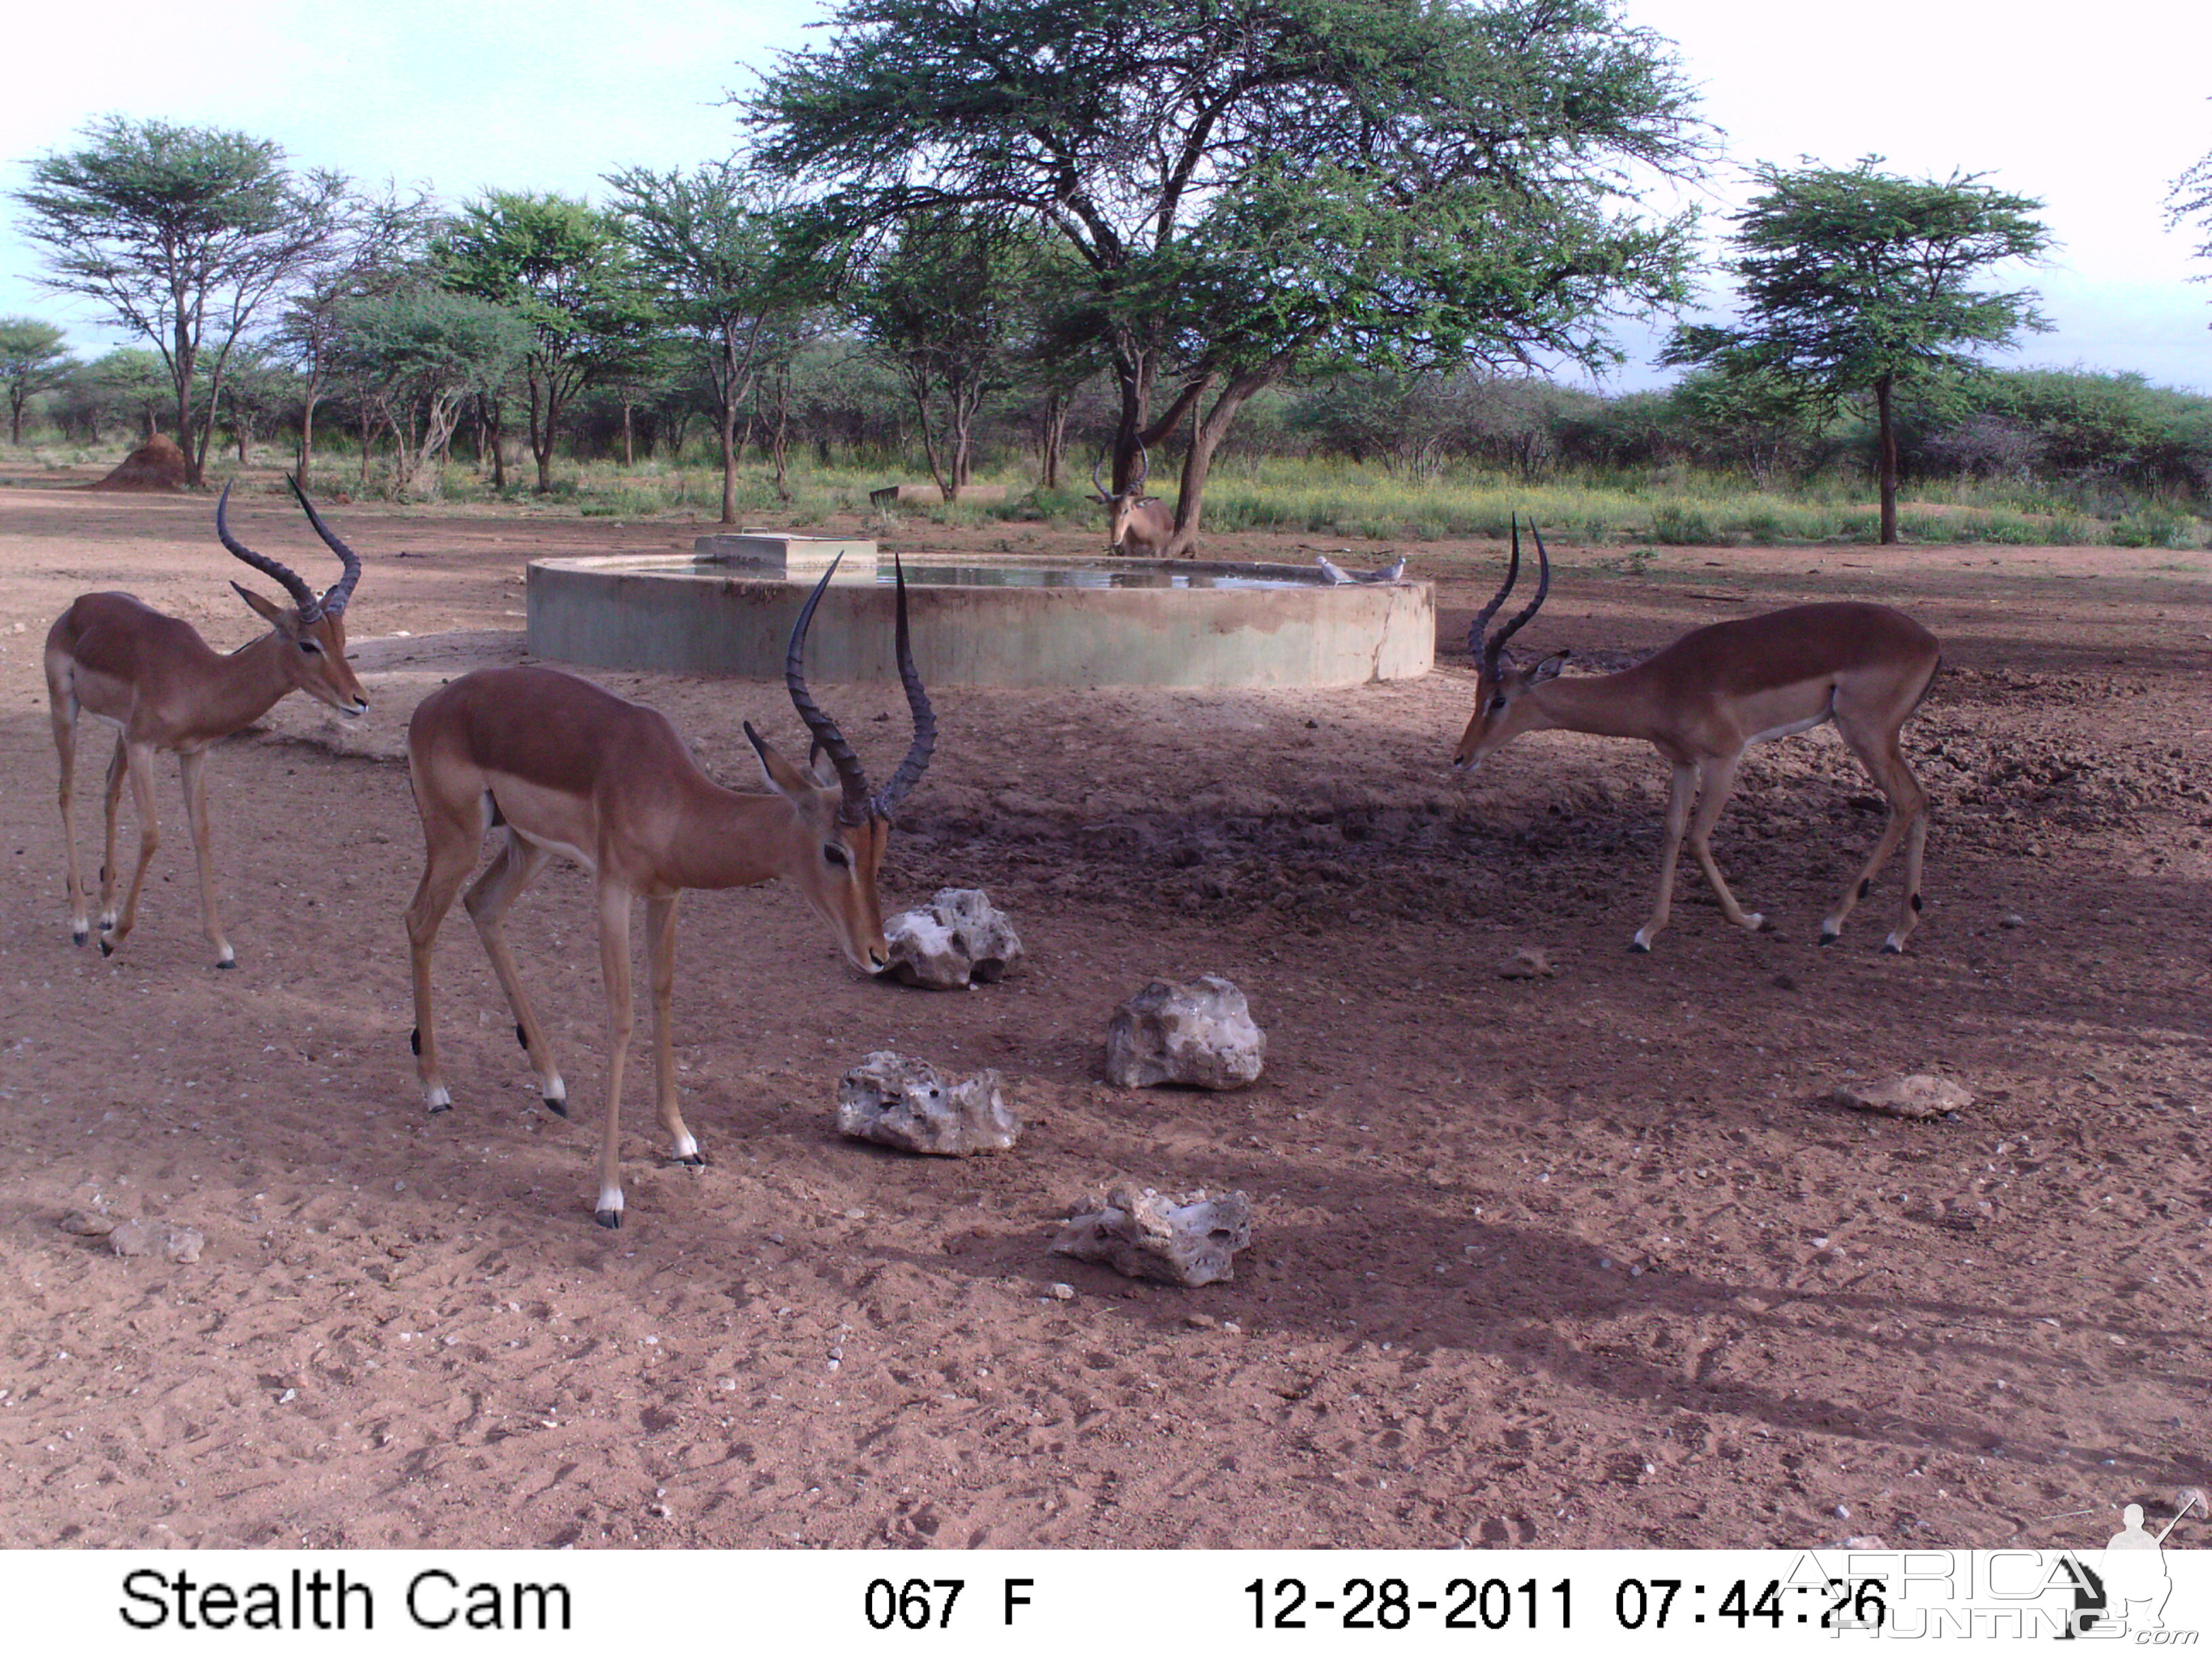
184	233
709	246
1856	281
943	306
1259	187
374	248
32	359
559	264
416	357
2190	198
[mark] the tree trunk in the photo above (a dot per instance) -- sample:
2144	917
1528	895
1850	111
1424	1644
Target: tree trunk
15	417
1887	464
629	446
1206	437
541	436
1052	440
307	430
728	436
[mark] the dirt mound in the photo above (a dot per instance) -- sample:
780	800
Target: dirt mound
157	464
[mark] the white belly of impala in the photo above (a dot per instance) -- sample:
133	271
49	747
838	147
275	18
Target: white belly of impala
1790	730
562	848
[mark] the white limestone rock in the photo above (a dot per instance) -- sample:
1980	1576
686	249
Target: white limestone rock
961	940
141	1237
902	1102
1920	1095
1200	1034
1189	1240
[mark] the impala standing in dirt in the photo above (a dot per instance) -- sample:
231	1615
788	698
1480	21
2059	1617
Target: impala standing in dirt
1705	698
565	767
162	687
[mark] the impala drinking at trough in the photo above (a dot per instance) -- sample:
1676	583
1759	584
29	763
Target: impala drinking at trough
1705	698
564	767
162	687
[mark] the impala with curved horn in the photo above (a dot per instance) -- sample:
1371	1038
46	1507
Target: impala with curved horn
1139	524
162	687
1705	698
567	768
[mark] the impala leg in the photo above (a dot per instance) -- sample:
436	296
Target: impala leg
452	843
1679	788
660	946
614	969
1715	779
63	707
194	767
518	864
1907	821
117	764
139	762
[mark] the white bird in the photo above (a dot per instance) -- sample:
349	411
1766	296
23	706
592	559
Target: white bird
1331	574
1389	573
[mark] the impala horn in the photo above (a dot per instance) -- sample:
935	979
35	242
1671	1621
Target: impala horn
334	602
1490	651
917	699
303	596
828	739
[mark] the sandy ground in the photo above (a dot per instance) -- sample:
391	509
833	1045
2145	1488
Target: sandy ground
1576	1262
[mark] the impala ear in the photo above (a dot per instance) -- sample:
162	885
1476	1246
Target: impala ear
787	779
282	617
1549	668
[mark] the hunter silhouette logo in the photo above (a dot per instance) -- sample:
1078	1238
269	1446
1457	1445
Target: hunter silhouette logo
2126	1591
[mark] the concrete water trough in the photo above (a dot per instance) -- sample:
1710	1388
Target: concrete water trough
728	609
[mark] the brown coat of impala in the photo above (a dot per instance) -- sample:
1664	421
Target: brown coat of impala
1136	523
564	767
1703	699
162	687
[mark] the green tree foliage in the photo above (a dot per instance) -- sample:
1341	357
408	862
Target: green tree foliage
1856	281
2190	198
184	233
376	245
946	304
562	266
32	359
417	355
1256	188
710	248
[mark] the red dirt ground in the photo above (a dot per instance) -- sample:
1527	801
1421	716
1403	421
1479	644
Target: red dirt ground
1577	1261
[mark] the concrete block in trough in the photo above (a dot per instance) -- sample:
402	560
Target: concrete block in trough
902	1102
1188	1240
1200	1034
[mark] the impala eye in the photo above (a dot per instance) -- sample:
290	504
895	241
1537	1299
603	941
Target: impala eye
310	647
836	855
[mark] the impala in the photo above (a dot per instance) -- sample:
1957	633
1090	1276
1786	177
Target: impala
1704	699
162	687
1143	523
565	767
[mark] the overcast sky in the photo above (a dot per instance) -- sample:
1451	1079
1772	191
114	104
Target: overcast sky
2092	111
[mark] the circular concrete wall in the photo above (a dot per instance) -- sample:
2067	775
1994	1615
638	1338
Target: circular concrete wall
1033	622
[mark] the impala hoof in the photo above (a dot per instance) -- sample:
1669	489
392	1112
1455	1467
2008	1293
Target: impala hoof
437	1107
558	1107
611	1219
1827	937
1638	947
79	935
1890	947
227	962
105	949
689	1160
